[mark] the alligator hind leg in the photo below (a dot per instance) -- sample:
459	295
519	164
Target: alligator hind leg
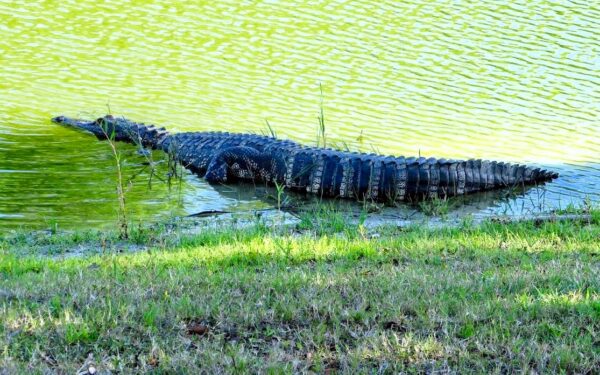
238	163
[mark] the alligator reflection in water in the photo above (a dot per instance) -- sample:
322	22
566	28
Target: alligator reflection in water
227	157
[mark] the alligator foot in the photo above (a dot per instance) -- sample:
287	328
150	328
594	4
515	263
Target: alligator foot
237	163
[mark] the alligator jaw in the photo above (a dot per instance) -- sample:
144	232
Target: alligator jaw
118	129
89	126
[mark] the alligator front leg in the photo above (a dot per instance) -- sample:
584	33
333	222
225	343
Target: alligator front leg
239	163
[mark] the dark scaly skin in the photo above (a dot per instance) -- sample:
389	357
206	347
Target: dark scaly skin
223	157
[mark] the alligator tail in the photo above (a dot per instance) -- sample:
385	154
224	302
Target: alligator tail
431	178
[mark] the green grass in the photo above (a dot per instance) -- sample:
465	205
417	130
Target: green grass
435	207
490	299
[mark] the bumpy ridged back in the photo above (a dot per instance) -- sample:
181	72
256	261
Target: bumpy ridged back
336	173
133	132
365	176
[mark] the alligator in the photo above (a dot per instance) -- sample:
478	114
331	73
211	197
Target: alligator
223	157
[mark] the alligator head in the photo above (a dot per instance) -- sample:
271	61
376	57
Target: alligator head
103	128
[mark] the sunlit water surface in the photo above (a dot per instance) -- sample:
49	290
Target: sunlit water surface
456	79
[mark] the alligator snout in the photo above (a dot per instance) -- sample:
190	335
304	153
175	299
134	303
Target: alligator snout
90	126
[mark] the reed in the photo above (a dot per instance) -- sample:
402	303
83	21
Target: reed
122	207
321	136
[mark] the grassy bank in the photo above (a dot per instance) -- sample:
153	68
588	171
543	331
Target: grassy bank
497	298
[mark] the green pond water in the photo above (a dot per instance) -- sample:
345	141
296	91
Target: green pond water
517	82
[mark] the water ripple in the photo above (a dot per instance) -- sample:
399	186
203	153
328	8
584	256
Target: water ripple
516	81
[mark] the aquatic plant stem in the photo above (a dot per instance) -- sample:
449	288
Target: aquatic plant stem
122	212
